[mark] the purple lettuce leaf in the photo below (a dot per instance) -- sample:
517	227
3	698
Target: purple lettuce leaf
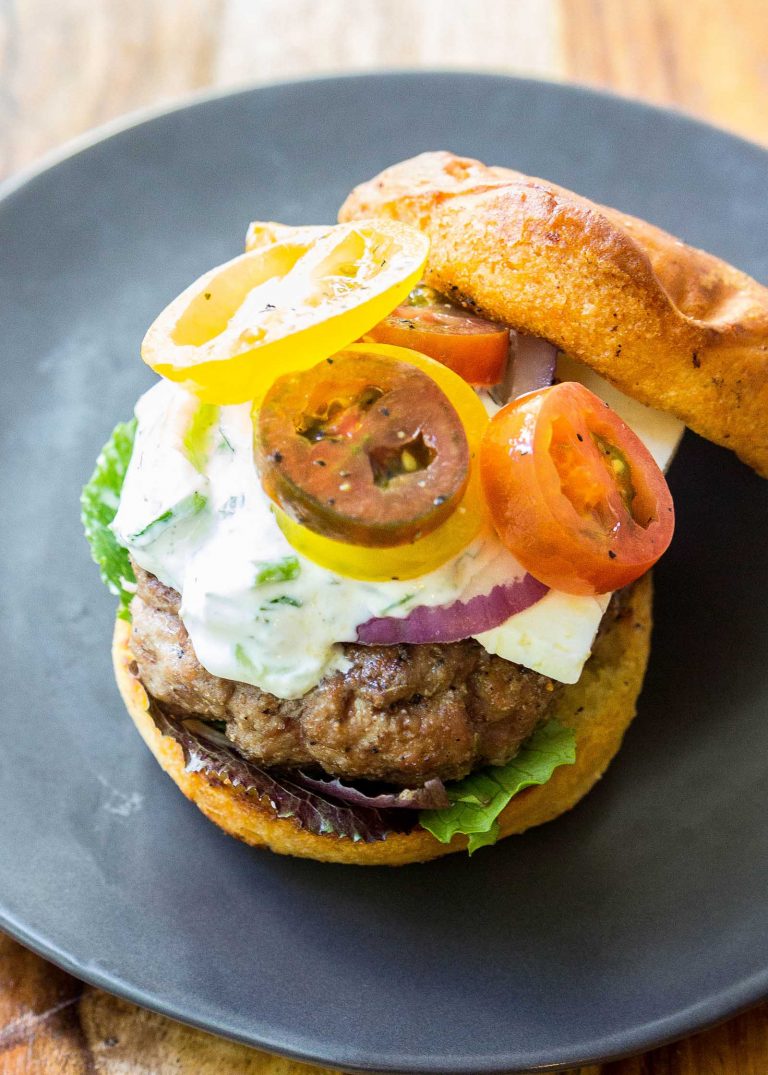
432	796
208	751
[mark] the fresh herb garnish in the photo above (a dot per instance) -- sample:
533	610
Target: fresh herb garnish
185	509
245	661
197	440
397	604
282	570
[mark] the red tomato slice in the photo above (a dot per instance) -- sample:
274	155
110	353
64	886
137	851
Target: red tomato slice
472	347
573	493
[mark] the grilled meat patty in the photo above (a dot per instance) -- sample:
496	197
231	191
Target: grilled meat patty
402	714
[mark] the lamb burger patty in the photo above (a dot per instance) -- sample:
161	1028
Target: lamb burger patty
401	714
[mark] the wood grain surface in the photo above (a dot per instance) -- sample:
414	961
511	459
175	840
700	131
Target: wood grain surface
68	65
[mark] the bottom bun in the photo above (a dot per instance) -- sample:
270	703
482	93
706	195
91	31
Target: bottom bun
599	708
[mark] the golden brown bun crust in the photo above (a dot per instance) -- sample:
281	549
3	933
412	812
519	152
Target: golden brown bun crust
674	327
599	708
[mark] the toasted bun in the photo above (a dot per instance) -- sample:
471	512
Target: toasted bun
599	708
671	326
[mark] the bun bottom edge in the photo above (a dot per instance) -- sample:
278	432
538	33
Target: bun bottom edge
599	708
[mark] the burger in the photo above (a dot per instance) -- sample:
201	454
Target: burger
382	532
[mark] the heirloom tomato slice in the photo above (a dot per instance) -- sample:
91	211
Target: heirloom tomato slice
474	348
372	459
573	493
362	449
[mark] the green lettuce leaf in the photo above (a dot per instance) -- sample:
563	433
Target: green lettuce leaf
477	801
98	503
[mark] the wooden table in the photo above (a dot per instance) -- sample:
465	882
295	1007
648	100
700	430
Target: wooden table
67	65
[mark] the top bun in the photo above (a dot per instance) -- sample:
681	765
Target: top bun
673	327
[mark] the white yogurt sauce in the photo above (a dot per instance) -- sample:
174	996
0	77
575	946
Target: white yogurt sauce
193	513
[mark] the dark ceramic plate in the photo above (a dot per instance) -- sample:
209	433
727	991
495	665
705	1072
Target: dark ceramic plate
640	916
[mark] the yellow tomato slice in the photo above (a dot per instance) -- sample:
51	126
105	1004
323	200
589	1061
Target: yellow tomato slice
401	562
429	552
296	297
263	233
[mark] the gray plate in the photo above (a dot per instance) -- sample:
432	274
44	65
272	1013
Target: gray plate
641	915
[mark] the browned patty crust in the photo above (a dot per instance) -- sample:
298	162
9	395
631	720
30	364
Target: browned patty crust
403	714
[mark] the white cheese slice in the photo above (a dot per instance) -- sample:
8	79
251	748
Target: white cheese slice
553	637
659	432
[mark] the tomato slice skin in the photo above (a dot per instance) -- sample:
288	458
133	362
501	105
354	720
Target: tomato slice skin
363	449
573	493
474	348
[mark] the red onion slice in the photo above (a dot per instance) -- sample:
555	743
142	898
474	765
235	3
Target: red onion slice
431	796
450	623
533	365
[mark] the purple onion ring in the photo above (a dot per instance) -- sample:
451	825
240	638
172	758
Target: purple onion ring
450	623
533	365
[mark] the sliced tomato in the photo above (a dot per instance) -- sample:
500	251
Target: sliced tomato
296	296
363	448
426	552
573	493
402	561
474	348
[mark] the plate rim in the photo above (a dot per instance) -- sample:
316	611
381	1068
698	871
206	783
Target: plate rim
136	117
651	1035
711	1011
